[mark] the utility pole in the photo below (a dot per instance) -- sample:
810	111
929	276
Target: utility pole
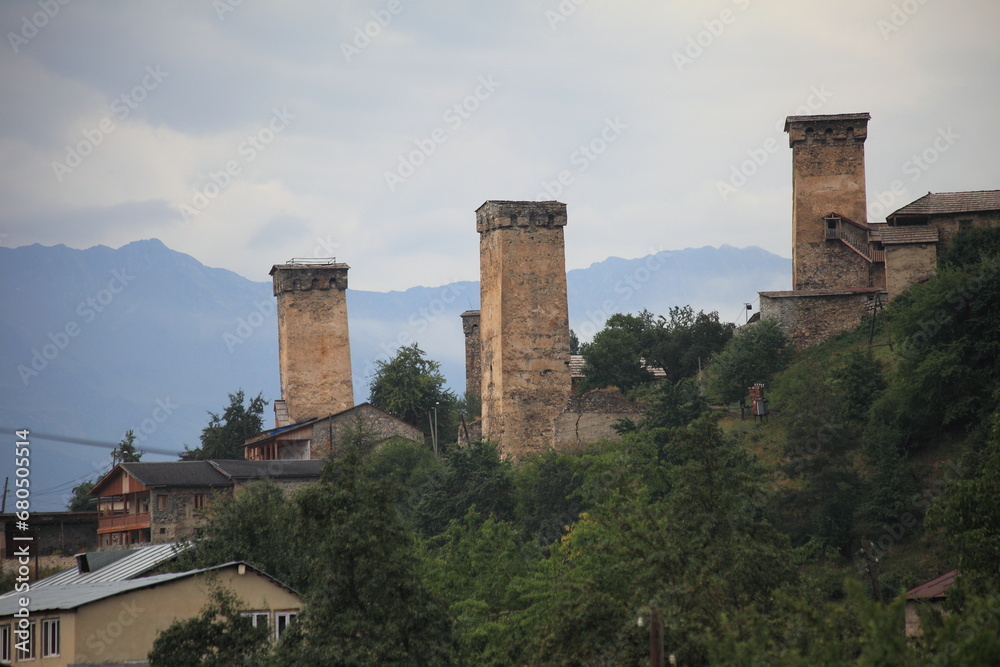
655	639
3	507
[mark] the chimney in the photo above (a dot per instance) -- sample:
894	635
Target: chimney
314	351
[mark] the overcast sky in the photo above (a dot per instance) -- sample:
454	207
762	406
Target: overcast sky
248	133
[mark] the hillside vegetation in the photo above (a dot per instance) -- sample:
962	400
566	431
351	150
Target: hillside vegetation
787	542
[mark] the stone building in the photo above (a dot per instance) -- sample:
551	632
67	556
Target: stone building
323	437
524	322
50	532
473	352
316	411
154	502
842	265
314	347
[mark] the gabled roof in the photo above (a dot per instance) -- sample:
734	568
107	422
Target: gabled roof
243	469
936	203
265	435
176	473
933	589
908	234
76	595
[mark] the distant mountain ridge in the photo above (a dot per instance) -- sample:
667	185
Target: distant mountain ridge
99	341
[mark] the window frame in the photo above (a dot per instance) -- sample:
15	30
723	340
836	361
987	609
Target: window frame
32	653
6	637
288	616
49	634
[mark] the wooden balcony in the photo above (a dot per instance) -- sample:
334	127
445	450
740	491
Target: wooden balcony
119	522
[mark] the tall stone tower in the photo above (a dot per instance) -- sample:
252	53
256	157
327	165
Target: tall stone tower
524	323
473	353
314	351
828	176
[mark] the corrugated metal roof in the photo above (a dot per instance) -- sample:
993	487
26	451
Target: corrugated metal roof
934	203
76	595
243	469
935	588
134	563
910	234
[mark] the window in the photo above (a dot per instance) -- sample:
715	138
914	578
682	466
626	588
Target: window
26	648
5	637
163	531
964	224
282	619
161	502
259	618
199	501
50	637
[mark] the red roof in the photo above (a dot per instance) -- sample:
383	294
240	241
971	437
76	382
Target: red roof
933	589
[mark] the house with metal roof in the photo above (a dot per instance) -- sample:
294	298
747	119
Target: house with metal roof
931	593
159	502
115	620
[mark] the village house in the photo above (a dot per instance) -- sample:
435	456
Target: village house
112	615
143	503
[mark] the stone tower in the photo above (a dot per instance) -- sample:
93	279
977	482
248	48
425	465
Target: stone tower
524	323
314	351
473	352
828	176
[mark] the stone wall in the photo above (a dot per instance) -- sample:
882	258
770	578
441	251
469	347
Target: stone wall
589	418
329	435
828	176
314	352
473	352
950	224
181	519
524	324
811	317
906	264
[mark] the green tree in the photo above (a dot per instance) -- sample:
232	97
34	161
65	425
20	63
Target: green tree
218	637
225	434
756	353
612	359
410	387
683	342
574	343
471	476
366	603
126	451
255	526
82	501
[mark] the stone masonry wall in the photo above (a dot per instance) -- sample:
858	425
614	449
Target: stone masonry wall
314	351
906	264
473	352
809	318
181	519
589	418
828	176
329	435
524	323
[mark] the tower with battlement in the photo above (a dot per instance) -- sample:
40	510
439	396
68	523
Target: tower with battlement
523	322
828	177
314	350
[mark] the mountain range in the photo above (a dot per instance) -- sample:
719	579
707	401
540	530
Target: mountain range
142	337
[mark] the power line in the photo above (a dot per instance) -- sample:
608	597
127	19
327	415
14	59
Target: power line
86	442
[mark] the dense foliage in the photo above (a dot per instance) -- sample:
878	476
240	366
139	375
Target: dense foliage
411	387
225	434
744	539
